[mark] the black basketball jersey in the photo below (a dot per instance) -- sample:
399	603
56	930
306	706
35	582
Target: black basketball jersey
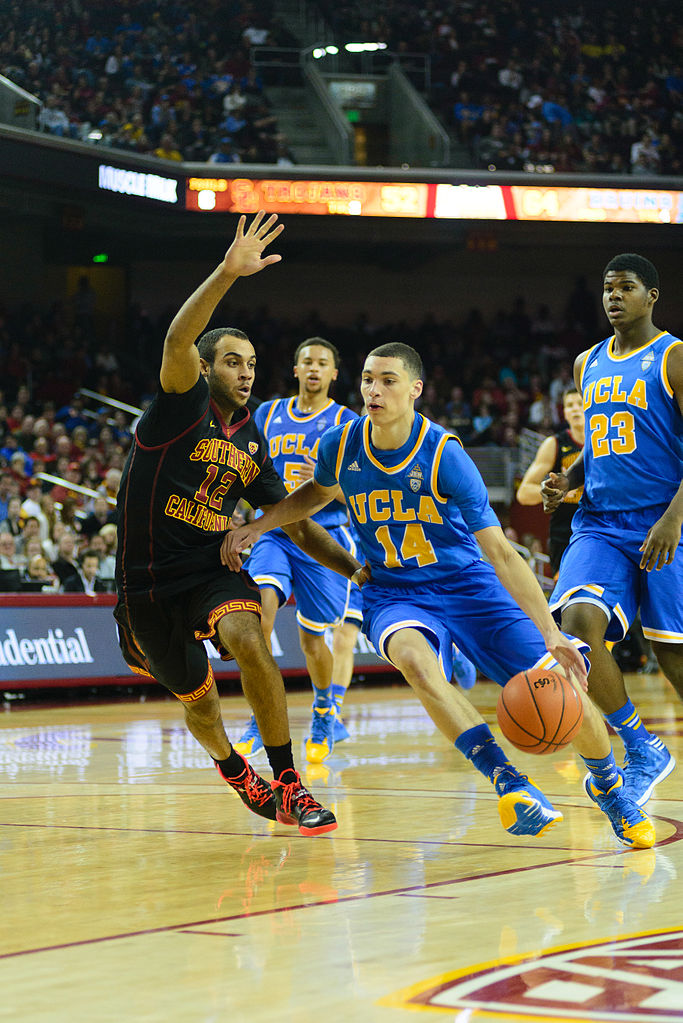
567	453
183	477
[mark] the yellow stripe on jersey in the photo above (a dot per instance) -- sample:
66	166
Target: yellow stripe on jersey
665	376
434	478
342	448
305	418
627	355
584	364
340	413
268	418
402	465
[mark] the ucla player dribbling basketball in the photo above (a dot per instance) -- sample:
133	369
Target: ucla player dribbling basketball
422	513
625	546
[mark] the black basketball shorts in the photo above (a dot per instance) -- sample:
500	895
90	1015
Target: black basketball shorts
164	639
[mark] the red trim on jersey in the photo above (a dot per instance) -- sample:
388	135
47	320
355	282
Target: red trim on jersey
229	429
124	524
167	443
151	531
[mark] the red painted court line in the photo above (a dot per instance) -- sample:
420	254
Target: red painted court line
289	909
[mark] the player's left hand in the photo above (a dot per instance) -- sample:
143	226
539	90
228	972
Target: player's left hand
660	545
245	255
569	658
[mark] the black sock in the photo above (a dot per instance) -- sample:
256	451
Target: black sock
232	767
280	759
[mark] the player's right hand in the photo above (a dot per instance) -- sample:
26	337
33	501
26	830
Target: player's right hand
569	658
553	490
362	576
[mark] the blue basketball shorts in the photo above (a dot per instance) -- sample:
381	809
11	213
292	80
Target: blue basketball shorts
473	610
601	566
322	596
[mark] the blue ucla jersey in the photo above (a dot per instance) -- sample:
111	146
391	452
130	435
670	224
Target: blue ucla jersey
414	508
292	434
634	429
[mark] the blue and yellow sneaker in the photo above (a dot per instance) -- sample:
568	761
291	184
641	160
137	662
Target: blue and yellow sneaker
250	742
464	672
341	732
644	767
523	808
320	742
630	824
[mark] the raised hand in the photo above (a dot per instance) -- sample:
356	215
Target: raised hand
244	257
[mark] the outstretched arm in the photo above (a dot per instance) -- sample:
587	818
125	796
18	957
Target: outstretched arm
180	359
523	587
303	502
320	546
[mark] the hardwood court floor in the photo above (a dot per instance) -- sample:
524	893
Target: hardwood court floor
135	886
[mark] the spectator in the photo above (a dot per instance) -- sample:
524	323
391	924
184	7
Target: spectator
110	484
8	553
53	119
167	149
226	153
86	578
66	564
107	567
39	576
12	524
101	514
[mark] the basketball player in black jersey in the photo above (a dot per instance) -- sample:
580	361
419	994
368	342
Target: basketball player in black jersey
556	454
196	452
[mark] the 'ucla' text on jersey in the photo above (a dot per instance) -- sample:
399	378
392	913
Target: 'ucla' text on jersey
414	508
292	434
634	428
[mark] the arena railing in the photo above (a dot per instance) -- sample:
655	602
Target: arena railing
103	399
47	477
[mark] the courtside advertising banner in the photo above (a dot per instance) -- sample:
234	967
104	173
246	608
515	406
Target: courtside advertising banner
72	639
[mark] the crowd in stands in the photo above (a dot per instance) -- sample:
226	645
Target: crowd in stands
486	378
569	86
150	76
576	87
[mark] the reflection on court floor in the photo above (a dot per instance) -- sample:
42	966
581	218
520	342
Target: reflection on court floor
136	886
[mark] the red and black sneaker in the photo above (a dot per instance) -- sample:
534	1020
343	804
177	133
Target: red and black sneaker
296	805
255	793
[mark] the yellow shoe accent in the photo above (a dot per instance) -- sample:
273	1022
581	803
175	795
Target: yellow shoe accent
316	752
641	835
521	814
244	748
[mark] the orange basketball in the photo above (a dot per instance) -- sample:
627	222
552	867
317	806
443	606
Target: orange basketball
539	711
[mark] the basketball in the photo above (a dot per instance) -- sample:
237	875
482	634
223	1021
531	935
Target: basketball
539	711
